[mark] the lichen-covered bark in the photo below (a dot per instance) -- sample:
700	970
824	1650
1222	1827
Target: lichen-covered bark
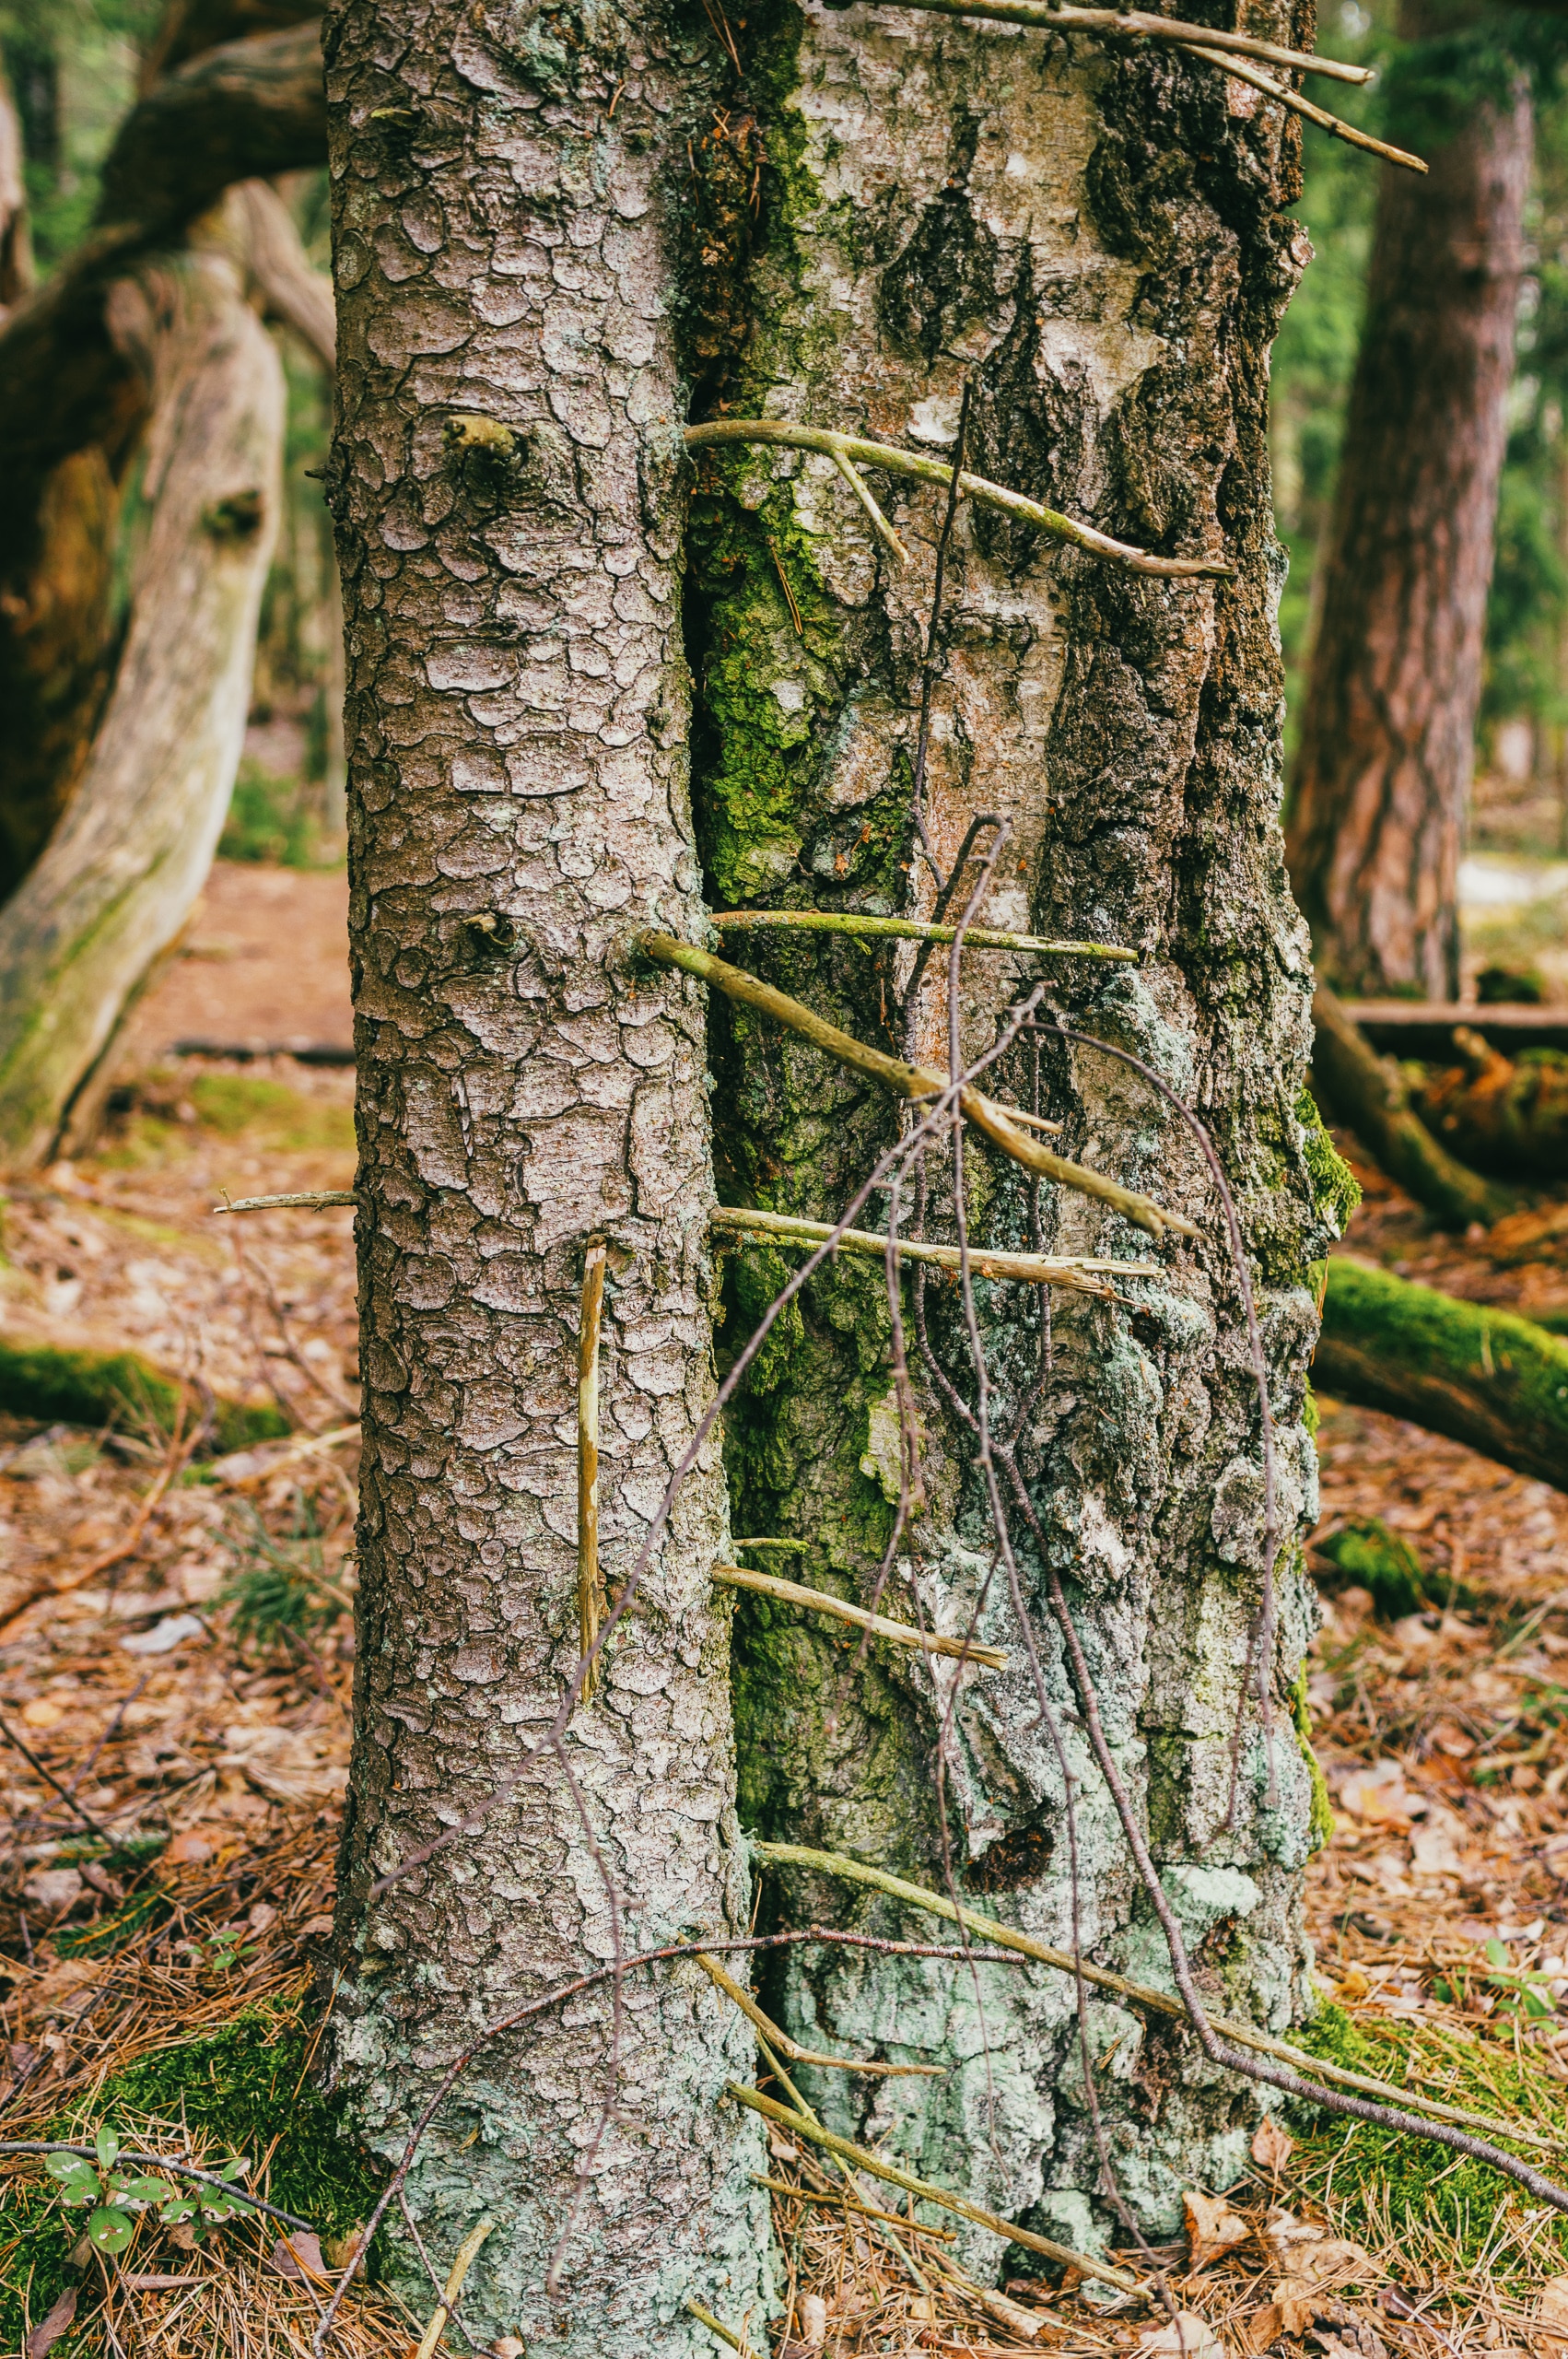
518	711
1100	243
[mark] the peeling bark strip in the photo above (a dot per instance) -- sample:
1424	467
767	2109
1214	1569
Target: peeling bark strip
1097	246
518	713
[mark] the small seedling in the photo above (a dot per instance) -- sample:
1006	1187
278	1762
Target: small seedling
117	2192
1528	1996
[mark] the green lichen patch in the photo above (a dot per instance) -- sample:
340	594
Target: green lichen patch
1336	1191
1322	1821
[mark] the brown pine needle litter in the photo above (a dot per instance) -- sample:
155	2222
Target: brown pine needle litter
193	1701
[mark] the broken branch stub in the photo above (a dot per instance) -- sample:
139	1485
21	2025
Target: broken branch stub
909	1080
782	435
838	1609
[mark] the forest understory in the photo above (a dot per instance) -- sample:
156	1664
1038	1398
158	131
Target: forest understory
176	1657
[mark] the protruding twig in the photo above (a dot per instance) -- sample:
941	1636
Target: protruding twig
862	490
924	2191
837	1609
847	2204
1076	1274
770	1543
1132	24
976	938
783	436
911	1081
308	1200
1282	97
466	2253
716	2326
589	1588
741	1997
1162	2003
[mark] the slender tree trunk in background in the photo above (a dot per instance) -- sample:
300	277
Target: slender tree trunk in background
108	897
15	243
942	200
517	719
1383	780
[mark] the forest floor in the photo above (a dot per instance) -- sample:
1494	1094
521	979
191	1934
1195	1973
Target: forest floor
183	1670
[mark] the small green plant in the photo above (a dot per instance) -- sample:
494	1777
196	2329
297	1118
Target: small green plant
117	2192
284	1591
1527	1996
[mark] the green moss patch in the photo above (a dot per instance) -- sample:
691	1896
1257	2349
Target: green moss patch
117	1388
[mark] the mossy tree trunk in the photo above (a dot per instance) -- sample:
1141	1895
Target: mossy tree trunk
517	718
1099	243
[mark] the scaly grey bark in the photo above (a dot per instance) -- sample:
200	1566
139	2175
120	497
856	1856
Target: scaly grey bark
518	715
122	872
1100	242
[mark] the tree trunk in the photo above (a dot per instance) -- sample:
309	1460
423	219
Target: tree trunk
1383	780
15	243
1096	242
123	871
518	711
1481	1376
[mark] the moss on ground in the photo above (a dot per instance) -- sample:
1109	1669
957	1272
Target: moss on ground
96	1389
246	2090
1368	1554
1441	2208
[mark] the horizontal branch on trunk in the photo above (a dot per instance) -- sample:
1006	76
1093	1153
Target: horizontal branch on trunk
1162	2003
1480	1376
1133	24
925	2191
1369	1094
909	1080
246	111
1075	1273
780	434
854	922
780	2039
304	1200
838	1609
1334	124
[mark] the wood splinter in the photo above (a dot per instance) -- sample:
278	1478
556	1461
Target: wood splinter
590	1586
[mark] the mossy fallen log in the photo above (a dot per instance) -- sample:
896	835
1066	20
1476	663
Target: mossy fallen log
1503	1114
96	1389
1370	1095
1480	1376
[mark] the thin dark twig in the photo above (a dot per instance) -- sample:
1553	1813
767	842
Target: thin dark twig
63	1791
927	668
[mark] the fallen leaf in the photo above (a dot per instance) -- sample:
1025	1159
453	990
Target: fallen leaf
1211	2227
315	1928
1351	2338
339	2251
43	1712
155	2281
1271	2145
1187	2336
1553	2310
263	1917
298	2256
48	2330
1453	1740
190	1849
1276	2319
1353	1986
811	2316
1377	1797
54	1888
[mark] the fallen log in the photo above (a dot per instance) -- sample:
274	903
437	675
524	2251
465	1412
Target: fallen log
1480	1376
1498	1114
1370	1095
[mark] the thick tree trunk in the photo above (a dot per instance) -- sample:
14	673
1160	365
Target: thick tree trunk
122	873
518	710
1481	1376
1382	784
942	201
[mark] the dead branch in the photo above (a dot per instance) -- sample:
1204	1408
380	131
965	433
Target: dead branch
1074	1272
838	1609
976	938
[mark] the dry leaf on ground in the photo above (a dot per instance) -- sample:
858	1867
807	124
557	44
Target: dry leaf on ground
1272	2146
1187	2336
1211	2227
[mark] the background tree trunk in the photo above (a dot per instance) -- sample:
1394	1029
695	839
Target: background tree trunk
1382	784
120	875
518	716
940	200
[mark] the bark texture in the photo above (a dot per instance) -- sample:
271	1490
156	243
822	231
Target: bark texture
1099	243
518	715
120	873
1383	780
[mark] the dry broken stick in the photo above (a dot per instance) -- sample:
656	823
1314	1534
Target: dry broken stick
911	1081
306	1199
925	2190
770	2030
838	1609
1076	1273
1142	1994
782	435
589	1588
855	923
1334	124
